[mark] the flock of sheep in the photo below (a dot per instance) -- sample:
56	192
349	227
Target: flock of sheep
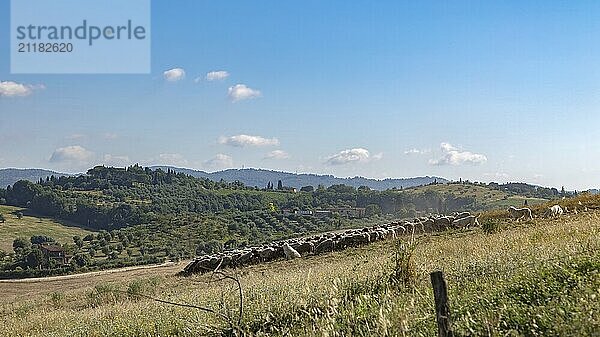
327	242
335	241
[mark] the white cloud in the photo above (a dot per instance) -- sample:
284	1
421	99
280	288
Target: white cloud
447	147
217	75
118	161
241	92
246	140
173	75
277	154
13	89
453	156
497	175
416	151
174	159
220	161
357	155
73	154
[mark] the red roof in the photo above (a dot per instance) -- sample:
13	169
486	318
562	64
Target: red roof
52	248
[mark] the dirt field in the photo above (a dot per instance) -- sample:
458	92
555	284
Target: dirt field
16	290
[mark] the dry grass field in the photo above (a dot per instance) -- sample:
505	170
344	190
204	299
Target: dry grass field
30	225
487	198
521	279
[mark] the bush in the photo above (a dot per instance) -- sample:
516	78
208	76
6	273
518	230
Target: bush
57	299
105	293
490	226
143	286
404	271
39	239
82	259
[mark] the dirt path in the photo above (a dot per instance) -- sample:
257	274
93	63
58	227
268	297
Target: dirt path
15	290
92	273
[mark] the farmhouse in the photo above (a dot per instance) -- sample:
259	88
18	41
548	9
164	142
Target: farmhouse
56	253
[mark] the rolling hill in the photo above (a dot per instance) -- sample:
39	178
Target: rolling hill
261	177
250	177
31	224
10	176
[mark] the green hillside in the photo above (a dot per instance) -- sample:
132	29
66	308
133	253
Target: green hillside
143	216
30	225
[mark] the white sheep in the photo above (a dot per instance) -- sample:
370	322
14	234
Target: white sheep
290	253
520	213
466	222
554	211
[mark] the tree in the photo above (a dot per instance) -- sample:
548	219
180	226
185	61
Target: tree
21	244
341	188
36	259
372	209
279	185
22	192
213	246
40	239
82	260
307	189
78	241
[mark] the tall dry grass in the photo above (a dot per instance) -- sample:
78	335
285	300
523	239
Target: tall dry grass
350	293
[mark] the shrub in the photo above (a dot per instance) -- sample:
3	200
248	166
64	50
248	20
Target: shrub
104	293
490	226
143	287
82	259
403	269
57	299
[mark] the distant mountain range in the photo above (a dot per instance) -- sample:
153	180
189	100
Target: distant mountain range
251	177
261	177
10	176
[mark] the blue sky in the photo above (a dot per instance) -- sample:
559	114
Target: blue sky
479	90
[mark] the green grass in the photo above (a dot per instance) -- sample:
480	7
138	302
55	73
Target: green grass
31	225
527	279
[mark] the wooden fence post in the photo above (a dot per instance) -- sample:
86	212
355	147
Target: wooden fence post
442	309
